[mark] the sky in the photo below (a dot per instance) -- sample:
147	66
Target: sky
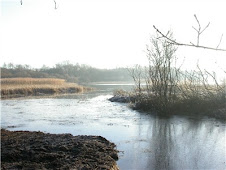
107	33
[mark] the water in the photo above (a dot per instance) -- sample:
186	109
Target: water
145	141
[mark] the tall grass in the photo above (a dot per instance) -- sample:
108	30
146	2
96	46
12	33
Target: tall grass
14	87
31	81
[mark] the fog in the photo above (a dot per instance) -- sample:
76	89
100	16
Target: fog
107	34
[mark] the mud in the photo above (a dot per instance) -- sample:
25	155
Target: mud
37	150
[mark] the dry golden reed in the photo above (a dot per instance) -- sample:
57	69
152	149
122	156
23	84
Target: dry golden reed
31	81
12	87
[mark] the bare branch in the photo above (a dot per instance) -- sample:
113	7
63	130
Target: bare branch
215	80
195	29
184	44
192	43
220	67
164	36
220	41
205	28
197	21
199	29
55	4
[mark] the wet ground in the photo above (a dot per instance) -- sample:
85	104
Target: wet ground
37	150
144	141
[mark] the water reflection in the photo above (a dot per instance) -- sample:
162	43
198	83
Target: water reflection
161	144
186	144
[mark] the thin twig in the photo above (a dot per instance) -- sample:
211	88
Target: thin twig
55	4
197	21
214	78
219	42
205	28
199	30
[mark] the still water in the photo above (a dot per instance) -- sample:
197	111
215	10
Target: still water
145	141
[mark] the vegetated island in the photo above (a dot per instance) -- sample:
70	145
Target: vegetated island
21	87
168	89
37	150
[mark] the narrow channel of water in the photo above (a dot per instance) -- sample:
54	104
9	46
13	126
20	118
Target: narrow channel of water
145	141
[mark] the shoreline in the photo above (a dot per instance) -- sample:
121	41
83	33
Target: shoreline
219	113
38	150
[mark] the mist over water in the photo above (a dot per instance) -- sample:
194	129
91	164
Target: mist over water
145	141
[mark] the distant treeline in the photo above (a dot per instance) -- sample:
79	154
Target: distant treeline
78	73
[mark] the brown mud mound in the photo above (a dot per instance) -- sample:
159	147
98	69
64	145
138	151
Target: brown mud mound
37	150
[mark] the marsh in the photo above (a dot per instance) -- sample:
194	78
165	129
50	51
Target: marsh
145	141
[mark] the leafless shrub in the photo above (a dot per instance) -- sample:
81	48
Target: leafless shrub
162	76
136	73
168	88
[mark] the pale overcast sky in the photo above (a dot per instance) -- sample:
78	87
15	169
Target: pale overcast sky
106	33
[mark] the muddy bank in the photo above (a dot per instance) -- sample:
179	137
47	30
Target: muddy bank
37	150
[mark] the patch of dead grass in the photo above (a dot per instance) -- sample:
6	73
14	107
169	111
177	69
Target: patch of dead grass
11	87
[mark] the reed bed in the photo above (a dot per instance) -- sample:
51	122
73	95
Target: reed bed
31	81
16	87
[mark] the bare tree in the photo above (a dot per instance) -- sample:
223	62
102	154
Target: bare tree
163	72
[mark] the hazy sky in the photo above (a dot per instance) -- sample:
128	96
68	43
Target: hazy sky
106	33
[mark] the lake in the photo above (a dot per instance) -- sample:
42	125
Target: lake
145	141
